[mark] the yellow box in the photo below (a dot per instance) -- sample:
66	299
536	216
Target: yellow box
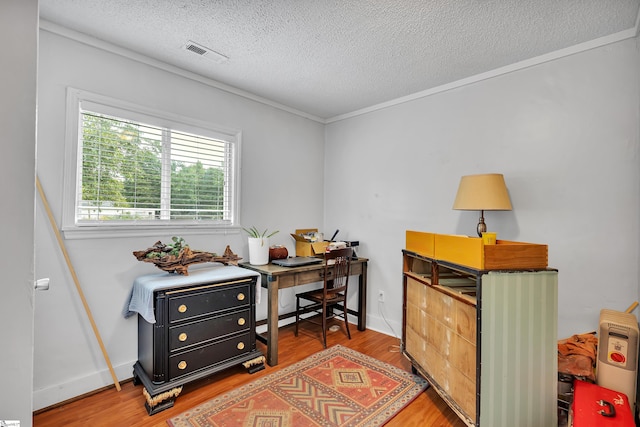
305	247
504	255
421	243
460	250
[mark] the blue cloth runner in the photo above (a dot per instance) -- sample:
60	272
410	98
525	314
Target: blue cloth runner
140	300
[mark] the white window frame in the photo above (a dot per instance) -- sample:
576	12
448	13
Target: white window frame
78	100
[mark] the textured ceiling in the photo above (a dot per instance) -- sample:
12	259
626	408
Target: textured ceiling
328	58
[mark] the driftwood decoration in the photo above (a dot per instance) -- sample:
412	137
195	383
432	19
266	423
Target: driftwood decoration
164	257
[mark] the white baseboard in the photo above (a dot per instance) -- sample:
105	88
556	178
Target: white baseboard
48	396
378	323
374	322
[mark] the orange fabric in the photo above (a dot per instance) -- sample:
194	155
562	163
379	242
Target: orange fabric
577	355
584	344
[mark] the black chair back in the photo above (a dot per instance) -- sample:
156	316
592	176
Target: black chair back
336	271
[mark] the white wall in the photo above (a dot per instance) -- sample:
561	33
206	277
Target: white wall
564	134
277	148
18	21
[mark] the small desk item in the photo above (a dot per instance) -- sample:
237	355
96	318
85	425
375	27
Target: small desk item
190	327
297	261
275	277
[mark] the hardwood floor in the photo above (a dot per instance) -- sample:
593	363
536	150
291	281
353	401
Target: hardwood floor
126	407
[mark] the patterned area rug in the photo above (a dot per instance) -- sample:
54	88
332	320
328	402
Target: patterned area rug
335	387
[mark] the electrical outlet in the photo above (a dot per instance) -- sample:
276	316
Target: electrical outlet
381	296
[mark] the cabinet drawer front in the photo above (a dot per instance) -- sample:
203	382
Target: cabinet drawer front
208	355
417	293
206	300
458	387
193	333
457	316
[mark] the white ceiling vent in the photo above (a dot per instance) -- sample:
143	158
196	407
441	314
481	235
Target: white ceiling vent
204	51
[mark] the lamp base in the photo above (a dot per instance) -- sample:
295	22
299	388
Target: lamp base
482	227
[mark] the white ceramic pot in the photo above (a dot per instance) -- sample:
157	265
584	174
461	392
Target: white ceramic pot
258	250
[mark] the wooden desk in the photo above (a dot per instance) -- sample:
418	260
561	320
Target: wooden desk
275	277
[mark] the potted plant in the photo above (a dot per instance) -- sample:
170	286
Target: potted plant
258	245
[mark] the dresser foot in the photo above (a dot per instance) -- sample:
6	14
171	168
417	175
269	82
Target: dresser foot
254	365
152	410
160	402
256	368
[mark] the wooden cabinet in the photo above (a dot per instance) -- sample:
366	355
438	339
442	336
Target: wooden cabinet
202	325
486	340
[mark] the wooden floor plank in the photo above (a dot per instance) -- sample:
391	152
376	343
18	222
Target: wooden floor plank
126	407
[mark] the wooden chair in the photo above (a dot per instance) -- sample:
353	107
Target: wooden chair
324	301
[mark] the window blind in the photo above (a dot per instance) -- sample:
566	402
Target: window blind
132	171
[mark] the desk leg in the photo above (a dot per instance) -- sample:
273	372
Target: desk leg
362	299
272	322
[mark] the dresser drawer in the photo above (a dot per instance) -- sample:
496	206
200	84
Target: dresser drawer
207	355
207	299
199	331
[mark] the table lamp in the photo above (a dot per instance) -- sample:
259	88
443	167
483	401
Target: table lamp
486	192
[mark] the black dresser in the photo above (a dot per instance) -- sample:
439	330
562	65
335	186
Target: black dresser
204	323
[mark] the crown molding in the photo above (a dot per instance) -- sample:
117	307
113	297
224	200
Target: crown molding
118	50
582	47
572	50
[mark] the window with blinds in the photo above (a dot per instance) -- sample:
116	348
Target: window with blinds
133	171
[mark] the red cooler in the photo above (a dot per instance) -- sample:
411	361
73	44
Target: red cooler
596	406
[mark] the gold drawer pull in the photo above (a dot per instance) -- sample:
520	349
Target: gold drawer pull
240	297
240	345
182	308
182	365
241	321
182	337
